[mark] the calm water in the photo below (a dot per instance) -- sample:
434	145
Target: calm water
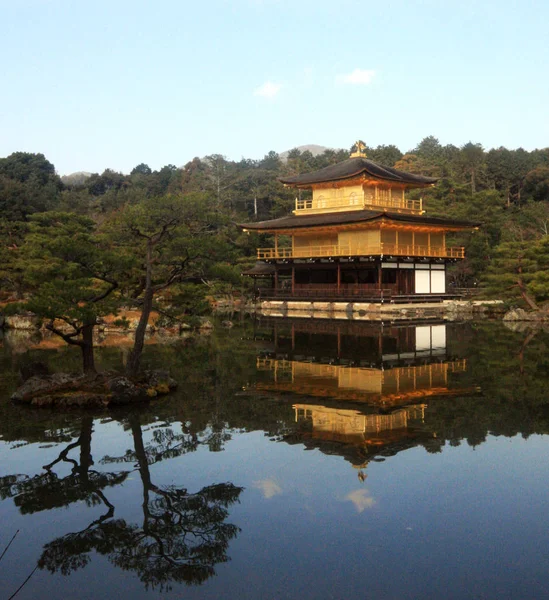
297	460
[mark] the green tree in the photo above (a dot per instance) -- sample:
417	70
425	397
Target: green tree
69	270
471	159
12	267
141	169
429	149
536	184
386	155
28	184
170	240
519	268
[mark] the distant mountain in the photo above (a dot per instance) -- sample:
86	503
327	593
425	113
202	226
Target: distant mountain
314	149
77	178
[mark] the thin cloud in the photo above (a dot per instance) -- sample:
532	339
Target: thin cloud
308	76
361	499
268	90
268	487
357	77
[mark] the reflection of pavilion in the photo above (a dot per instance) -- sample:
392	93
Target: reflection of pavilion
352	426
362	387
379	366
358	434
377	386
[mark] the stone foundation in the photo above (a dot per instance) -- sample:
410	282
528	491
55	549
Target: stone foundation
361	311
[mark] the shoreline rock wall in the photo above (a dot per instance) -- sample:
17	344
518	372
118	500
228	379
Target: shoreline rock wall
451	310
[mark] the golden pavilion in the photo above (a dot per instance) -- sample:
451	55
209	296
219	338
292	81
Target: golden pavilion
358	237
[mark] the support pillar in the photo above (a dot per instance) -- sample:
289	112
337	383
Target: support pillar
338	277
379	271
293	279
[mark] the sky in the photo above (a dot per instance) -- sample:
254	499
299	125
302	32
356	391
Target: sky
112	84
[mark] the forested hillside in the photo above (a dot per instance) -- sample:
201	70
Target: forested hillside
506	190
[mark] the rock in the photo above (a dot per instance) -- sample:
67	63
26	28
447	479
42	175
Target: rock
73	399
520	326
519	314
32	369
41	384
124	391
65	390
160	381
227	324
59	324
206	324
27	322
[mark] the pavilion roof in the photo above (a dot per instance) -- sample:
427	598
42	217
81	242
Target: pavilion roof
352	167
352	217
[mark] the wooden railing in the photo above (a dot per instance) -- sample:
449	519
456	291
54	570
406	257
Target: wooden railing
357	202
414	250
398	204
374	250
312	206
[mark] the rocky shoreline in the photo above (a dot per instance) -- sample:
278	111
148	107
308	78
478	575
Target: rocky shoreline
360	311
125	323
40	388
66	390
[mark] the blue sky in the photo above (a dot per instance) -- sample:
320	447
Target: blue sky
115	83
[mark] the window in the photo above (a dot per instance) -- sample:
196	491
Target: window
348	277
389	276
323	276
367	276
301	277
383	195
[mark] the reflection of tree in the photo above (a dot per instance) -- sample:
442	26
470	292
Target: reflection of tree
182	535
47	490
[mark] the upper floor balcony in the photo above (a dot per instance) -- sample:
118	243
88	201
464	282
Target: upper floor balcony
369	198
379	249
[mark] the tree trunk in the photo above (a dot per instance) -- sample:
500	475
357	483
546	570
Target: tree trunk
134	360
143	463
88	359
525	296
86	461
19	294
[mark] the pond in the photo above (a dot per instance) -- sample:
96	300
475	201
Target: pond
297	459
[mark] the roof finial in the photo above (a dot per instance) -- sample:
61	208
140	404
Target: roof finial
358	150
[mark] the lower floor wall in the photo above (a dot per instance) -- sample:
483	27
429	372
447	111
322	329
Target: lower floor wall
398	278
